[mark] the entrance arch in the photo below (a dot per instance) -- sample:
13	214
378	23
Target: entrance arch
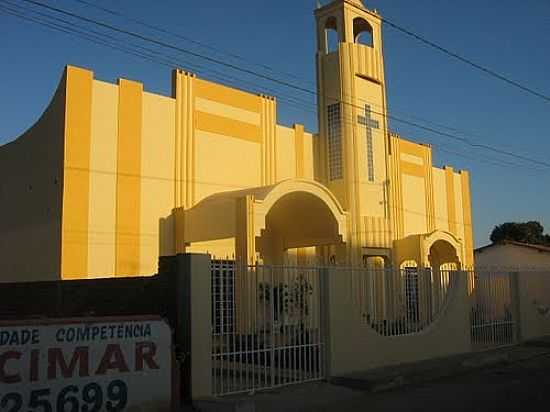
443	253
297	214
442	248
297	220
427	265
266	220
444	259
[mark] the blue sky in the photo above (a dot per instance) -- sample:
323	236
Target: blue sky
505	35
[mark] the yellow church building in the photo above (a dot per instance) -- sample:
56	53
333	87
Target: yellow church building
111	177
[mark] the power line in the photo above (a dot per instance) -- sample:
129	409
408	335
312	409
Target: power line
429	129
105	172
282	82
83	35
170	46
467	61
186	38
66	28
97	38
230	54
162	59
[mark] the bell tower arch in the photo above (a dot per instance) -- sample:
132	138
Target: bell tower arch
354	140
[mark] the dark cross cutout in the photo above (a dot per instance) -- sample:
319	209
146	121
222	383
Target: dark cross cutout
369	124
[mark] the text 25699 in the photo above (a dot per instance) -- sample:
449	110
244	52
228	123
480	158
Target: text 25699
91	397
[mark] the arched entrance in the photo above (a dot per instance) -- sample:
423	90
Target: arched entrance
263	222
296	221
252	302
444	261
427	265
443	254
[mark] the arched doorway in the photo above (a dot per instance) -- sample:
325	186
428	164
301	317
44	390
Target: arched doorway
444	262
263	222
296	221
443	254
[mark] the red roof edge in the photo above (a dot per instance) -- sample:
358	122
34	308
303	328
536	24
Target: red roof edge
540	248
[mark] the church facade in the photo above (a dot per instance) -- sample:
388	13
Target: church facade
112	177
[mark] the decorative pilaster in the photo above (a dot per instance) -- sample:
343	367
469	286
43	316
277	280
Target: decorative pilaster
245	239
182	91
269	150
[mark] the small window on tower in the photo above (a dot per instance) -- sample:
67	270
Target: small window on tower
362	32
334	142
331	35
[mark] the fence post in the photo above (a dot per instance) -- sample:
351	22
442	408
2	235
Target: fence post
341	321
193	323
324	301
516	308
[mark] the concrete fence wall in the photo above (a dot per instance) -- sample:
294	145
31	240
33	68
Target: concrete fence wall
533	300
353	346
511	306
180	293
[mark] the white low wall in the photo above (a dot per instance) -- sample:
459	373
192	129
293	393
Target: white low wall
534	303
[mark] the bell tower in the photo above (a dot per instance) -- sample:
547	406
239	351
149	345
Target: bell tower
352	114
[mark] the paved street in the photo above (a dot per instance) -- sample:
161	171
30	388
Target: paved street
522	385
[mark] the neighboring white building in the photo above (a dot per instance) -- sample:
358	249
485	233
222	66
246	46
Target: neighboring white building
513	255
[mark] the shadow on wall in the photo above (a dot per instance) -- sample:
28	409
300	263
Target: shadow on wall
167	236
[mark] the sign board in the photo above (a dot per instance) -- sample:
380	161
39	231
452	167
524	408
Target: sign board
86	365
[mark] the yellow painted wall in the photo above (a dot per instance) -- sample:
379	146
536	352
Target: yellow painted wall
426	198
414	204
31	181
130	179
411	188
286	153
157	181
295	153
132	162
218	249
103	180
370	93
440	199
130	159
371	192
227	148
329	78
225	163
309	155
459	218
76	180
468	219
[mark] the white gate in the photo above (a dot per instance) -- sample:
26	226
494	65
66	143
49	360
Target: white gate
267	329
493	314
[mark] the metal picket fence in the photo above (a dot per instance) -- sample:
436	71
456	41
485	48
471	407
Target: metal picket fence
268	331
266	328
397	302
493	314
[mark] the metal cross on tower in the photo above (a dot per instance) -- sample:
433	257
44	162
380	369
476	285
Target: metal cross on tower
369	124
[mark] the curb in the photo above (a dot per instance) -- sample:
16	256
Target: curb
418	375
